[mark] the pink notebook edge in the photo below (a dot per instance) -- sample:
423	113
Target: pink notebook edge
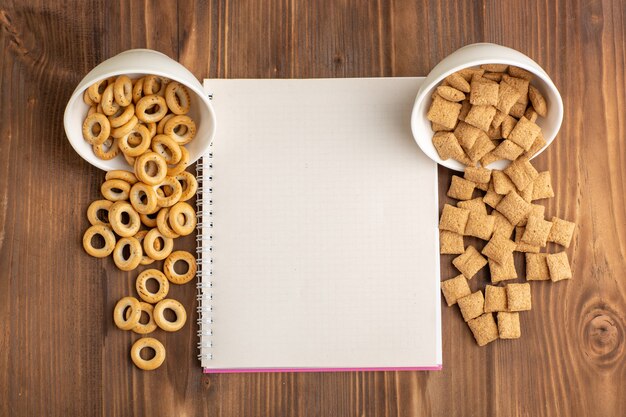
276	370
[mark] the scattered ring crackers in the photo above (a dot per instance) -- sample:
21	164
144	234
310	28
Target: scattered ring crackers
170	272
126	313
164	323
145	208
142	288
148	364
150	326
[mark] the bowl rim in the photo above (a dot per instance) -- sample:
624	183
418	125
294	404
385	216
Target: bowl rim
425	90
78	93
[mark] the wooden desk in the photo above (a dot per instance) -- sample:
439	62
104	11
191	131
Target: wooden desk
60	354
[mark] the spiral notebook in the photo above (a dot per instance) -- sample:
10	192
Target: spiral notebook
318	241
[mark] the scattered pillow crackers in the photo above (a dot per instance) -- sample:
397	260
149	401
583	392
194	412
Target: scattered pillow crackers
481	115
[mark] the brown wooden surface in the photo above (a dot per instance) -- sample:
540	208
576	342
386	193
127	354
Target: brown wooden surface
60	354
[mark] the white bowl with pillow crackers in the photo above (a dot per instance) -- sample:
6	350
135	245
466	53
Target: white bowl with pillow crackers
489	117
485	104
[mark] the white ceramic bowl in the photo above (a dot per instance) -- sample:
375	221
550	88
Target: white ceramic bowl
136	63
470	56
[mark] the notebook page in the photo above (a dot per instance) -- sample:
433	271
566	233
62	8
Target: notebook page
325	240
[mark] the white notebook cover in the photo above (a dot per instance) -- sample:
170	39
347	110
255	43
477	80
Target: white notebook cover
319	240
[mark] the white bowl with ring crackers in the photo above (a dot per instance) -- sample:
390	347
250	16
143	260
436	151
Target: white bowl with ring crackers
102	109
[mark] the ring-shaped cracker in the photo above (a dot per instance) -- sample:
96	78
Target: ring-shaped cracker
87	100
181	165
122	116
153	84
100	121
167	147
117	113
175	277
142	288
189	184
163	224
147	364
173	125
143	198
150	219
123	90
145	259
92	110
127	313
137	147
177	308
125	129
108	190
142	168
109	106
115	218
107	235
107	150
120	174
149	102
177	98
133	260
134	138
151	128
149	245
137	90
96	89
175	191
150	326
151	169
161	124
185	226
94	208
130	160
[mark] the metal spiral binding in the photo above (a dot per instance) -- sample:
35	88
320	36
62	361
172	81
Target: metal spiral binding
204	272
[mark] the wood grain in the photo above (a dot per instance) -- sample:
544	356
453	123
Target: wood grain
59	352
